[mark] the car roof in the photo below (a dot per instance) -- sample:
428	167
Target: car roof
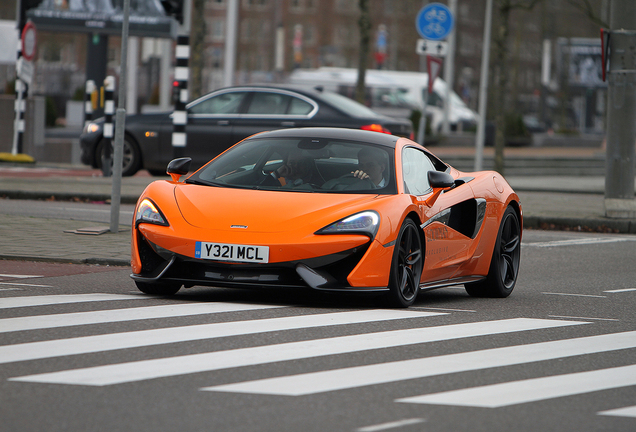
370	137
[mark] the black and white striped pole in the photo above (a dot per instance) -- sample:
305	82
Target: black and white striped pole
88	102
18	127
109	110
180	115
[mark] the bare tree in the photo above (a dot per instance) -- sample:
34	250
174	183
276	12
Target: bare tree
503	8
364	24
197	48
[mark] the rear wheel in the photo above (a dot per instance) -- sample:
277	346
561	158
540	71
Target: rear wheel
158	288
406	266
504	265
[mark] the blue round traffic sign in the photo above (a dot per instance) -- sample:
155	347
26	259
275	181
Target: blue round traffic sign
434	21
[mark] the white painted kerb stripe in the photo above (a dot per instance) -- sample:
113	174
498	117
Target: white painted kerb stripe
339	379
15	302
118	315
532	390
135	339
173	366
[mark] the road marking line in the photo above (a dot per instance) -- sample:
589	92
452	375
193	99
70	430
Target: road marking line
532	390
574	295
390	425
575	242
119	315
582	318
15	302
620	290
443	309
194	363
359	376
27	285
19	276
11	289
620	412
135	339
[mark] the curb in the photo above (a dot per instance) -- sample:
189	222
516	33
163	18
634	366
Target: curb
115	262
617	226
64	196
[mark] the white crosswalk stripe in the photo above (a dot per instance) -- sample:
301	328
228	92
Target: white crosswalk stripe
531	390
205	362
136	339
117	315
15	302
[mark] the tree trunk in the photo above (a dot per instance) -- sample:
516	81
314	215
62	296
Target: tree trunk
364	24
501	80
197	47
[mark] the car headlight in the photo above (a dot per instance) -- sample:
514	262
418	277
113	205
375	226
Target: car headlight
91	127
148	212
366	222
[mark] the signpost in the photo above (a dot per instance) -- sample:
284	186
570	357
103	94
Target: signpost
434	22
24	70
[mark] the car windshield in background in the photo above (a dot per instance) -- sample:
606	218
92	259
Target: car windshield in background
302	165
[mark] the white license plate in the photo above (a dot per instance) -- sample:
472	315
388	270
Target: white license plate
231	252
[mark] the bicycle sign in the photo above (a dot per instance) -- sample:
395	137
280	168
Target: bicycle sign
434	21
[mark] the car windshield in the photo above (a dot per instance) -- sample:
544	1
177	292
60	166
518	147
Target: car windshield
302	165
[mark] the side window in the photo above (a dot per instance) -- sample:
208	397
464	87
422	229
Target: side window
299	107
225	103
415	168
268	103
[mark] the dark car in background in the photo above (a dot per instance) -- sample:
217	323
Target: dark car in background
221	118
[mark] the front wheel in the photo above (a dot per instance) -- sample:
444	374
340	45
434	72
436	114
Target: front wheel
158	288
504	265
406	266
131	157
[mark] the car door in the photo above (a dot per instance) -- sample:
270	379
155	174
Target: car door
446	240
211	122
273	109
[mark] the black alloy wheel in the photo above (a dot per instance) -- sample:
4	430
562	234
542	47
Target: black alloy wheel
406	266
131	157
504	265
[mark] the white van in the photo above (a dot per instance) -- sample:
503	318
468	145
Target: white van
392	93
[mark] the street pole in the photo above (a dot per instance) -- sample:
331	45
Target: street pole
120	125
230	42
483	90
621	112
449	71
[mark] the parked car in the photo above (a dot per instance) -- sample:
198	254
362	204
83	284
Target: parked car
329	209
221	118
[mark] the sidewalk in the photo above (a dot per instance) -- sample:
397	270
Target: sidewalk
549	202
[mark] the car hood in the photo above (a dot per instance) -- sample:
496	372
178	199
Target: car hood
260	211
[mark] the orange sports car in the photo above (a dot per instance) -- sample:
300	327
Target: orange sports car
330	209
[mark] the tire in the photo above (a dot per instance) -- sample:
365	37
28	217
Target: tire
504	265
132	157
406	266
159	288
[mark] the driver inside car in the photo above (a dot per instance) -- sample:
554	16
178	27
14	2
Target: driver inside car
372	165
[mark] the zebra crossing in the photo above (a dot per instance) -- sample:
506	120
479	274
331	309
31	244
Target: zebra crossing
416	330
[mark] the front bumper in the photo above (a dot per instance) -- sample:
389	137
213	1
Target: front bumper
328	272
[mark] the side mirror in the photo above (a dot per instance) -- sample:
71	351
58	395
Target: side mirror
439	179
178	167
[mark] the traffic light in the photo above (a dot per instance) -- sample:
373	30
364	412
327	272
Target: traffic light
174	8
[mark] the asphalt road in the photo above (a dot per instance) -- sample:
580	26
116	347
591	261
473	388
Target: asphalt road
558	354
